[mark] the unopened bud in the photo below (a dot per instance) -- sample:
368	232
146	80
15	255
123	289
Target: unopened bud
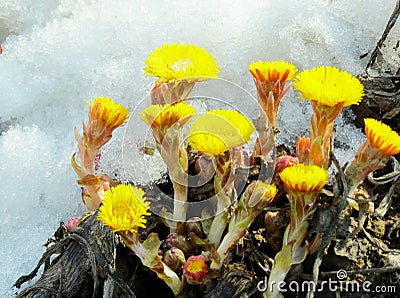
179	241
303	149
194	225
285	161
174	258
71	224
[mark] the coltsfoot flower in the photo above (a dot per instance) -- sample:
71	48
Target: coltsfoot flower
104	117
270	78
195	269
166	122
172	62
382	137
272	71
303	184
304	178
381	143
217	131
330	90
124	209
160	118
328	86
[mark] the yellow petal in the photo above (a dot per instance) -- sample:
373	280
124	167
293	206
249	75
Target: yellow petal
329	86
304	178
382	137
273	70
219	130
123	208
175	61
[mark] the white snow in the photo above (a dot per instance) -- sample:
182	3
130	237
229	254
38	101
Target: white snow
56	53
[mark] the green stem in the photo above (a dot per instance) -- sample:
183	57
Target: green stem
231	239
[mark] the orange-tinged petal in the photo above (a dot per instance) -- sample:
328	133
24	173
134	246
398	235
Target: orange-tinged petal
382	137
304	178
273	70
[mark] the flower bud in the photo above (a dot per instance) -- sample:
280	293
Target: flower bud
282	162
194	225
179	241
106	185
303	149
71	224
174	258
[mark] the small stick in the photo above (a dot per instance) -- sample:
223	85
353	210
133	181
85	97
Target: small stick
389	26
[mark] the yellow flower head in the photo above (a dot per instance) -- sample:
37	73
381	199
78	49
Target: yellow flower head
273	71
123	208
329	86
164	116
382	137
105	112
304	178
172	62
217	131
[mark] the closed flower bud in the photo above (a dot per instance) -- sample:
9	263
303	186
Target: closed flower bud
303	149
194	225
282	162
72	222
174	258
179	241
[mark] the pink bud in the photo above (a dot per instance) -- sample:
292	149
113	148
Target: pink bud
71	224
282	162
106	185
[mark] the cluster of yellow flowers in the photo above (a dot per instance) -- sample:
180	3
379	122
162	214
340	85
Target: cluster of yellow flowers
220	135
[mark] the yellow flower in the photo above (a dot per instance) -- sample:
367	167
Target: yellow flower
167	115
172	62
162	117
273	70
304	178
382	137
217	131
106	113
329	86
123	209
